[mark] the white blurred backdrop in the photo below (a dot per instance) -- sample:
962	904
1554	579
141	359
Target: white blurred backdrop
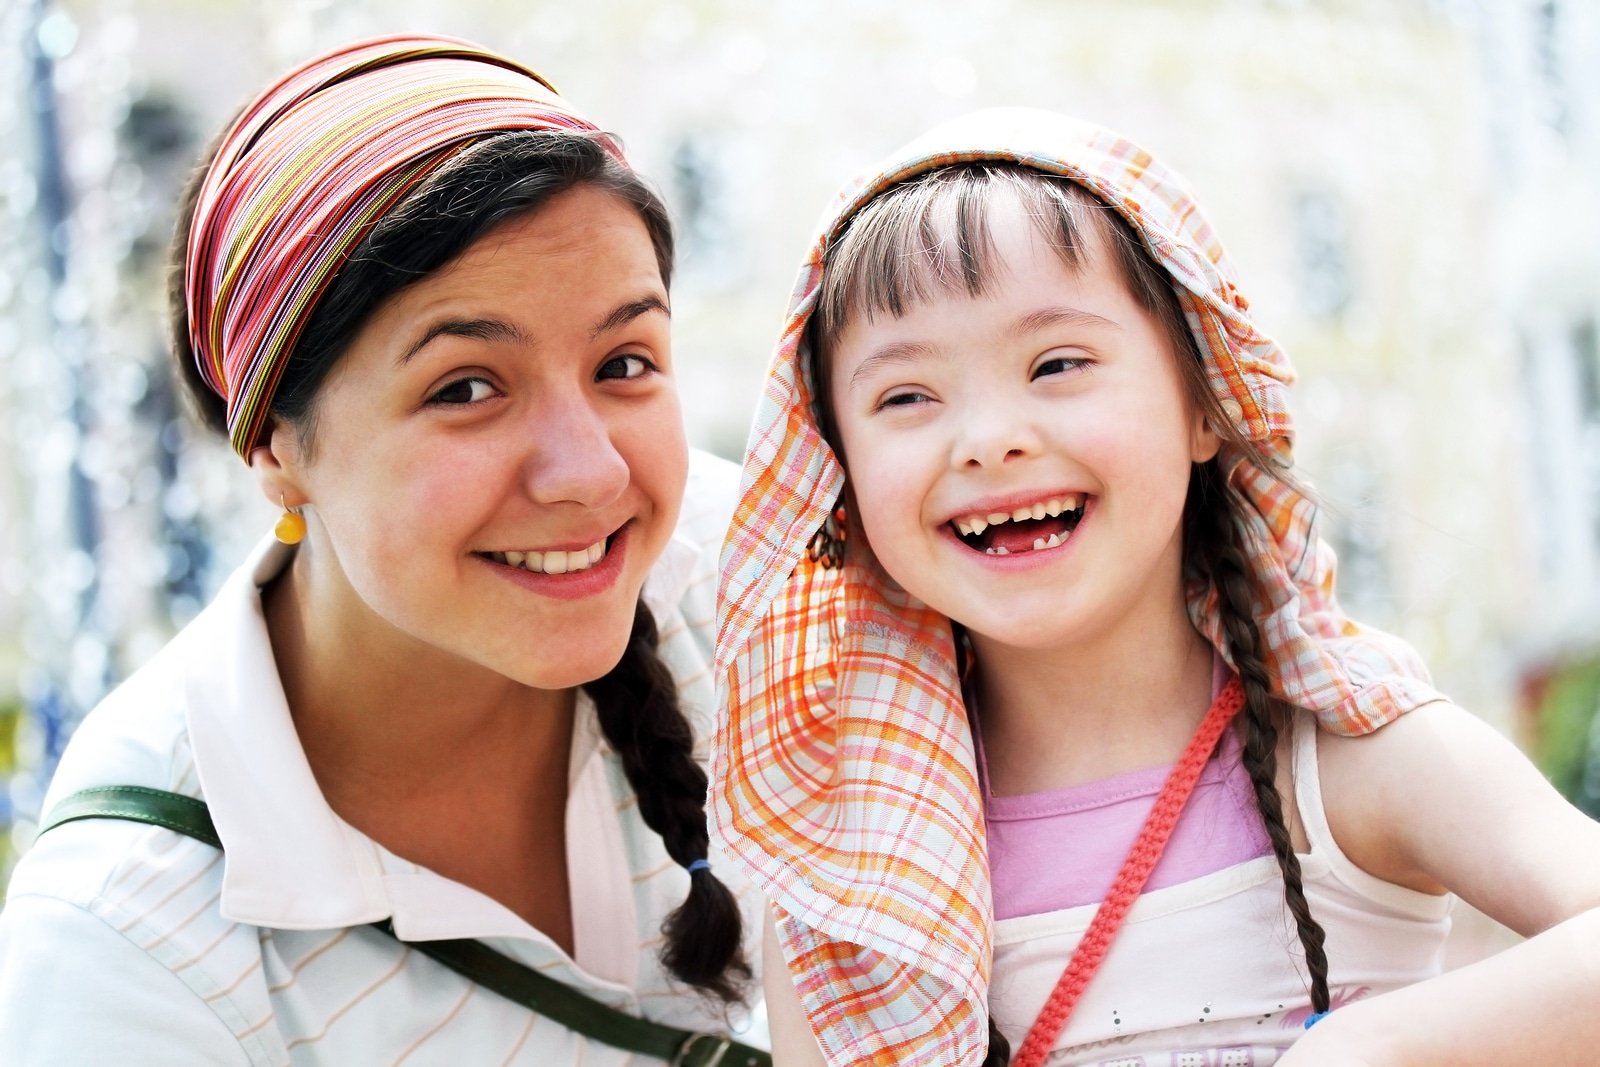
1408	187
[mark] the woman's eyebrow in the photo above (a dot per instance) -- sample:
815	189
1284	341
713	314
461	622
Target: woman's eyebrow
1059	316
477	329
626	313
484	329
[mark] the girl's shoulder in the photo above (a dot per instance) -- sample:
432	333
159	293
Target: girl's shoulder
1439	800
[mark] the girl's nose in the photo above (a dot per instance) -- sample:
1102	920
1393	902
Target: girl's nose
995	430
574	459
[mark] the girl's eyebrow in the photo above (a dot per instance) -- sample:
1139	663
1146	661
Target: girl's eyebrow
1059	316
895	352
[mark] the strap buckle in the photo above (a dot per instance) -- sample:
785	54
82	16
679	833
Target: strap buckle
687	1055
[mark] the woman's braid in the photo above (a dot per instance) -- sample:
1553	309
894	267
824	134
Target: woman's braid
637	704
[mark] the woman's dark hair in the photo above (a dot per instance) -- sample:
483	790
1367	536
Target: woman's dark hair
493	180
498	178
930	235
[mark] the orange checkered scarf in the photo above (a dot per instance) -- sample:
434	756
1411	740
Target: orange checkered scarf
844	778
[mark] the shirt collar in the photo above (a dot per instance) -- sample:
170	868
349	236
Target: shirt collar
292	862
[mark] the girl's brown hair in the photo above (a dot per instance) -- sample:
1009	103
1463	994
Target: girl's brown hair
929	236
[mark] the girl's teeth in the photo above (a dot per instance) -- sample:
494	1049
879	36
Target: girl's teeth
515	558
979	525
1042	543
998	550
996	518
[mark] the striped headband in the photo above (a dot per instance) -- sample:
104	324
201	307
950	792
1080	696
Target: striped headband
304	173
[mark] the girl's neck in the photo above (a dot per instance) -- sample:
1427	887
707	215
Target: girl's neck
1056	717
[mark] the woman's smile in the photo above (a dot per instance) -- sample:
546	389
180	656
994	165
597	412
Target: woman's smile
560	573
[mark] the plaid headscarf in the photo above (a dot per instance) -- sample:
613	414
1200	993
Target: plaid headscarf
305	172
844	777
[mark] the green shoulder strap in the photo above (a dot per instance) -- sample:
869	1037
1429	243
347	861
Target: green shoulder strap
473	960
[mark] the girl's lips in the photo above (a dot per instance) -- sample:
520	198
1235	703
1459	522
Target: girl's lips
996	510
1045	549
572	585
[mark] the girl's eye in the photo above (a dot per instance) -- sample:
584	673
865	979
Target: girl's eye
463	391
627	366
1058	365
901	400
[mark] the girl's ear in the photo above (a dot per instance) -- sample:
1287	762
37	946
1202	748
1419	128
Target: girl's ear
278	465
1204	441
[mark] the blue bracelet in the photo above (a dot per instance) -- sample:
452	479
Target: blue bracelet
698	865
1316	1017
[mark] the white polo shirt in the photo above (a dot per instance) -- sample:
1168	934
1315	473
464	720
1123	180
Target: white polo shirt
130	944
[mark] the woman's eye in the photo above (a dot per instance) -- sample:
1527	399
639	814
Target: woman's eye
463	391
630	365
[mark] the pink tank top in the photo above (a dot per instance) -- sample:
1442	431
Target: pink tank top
1062	848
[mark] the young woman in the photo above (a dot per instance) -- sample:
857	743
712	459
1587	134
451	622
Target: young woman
1025	751
454	699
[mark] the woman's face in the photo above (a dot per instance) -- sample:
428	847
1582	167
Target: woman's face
499	456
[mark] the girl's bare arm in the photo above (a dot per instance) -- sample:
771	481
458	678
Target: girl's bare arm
1439	800
792	1043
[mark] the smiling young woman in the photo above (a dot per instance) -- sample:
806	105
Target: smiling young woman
428	305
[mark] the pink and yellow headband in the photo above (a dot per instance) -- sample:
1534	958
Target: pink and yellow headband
304	173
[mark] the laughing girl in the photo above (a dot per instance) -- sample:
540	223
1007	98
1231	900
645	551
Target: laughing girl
1044	731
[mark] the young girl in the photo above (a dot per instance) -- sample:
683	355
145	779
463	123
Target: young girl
1025	749
420	784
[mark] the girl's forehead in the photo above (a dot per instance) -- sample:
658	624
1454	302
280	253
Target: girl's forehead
910	246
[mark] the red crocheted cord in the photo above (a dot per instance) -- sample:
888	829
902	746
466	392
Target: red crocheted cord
1135	872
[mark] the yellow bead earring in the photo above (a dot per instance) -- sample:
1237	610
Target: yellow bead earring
291	528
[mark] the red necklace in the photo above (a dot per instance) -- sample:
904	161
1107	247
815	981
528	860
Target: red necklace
1135	872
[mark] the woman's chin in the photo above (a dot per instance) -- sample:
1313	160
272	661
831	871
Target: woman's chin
569	664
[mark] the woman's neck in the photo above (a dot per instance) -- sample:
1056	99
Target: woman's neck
441	762
1056	717
384	718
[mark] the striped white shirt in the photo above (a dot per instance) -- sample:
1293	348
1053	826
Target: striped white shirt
129	944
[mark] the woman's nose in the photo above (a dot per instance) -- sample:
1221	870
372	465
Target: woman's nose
574	459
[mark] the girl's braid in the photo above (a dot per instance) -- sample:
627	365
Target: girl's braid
999	1048
1220	552
637	705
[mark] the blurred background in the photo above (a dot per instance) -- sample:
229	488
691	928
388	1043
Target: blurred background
1409	188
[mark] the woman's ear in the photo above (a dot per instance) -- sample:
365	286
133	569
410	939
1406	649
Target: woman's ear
278	465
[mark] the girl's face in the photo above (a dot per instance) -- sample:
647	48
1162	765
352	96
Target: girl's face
1020	459
499	456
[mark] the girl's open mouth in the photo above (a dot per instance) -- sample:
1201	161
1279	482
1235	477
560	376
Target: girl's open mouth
1043	524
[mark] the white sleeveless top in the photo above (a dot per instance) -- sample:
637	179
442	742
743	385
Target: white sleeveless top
1210	972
